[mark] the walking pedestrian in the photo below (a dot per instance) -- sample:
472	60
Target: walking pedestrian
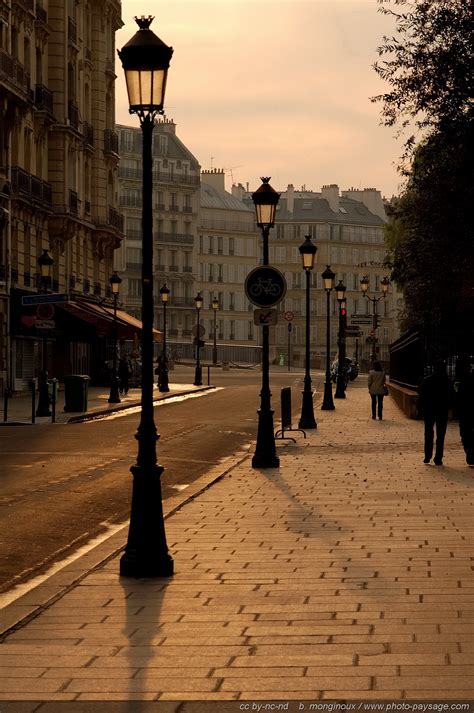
377	388
465	408
436	397
124	373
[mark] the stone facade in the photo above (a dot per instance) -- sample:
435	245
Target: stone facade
347	229
58	161
175	212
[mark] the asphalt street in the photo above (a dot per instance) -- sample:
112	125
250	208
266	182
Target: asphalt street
63	484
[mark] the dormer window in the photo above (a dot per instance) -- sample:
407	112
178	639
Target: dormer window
163	145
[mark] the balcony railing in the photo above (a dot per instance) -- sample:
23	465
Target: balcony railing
166	177
12	70
115	219
131	201
173	268
25	184
187	209
73	115
160	267
174	238
43	98
88	133
134	233
41	14
111	141
71	30
187	268
73	202
126	172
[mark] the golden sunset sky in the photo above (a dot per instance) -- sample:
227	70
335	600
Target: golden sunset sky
274	88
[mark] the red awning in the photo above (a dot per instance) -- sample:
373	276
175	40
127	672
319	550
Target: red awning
102	318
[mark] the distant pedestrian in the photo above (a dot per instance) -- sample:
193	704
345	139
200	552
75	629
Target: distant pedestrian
377	388
465	408
436	397
124	374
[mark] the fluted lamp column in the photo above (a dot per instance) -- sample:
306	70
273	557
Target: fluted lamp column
163	383
341	382
45	264
146	59
114	396
308	255
198	372
328	278
215	307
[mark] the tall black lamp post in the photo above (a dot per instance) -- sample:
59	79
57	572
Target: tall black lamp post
308	255
45	263
341	359
215	307
328	284
145	59
265	200
198	372
114	396
163	383
384	285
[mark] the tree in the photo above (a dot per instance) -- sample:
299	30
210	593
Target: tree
430	232
428	65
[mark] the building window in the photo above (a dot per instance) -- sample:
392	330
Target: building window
163	145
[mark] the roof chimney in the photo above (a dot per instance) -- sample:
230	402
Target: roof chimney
215	178
290	198
370	197
330	193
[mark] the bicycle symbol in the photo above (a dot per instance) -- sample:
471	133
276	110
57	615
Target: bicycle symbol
265	287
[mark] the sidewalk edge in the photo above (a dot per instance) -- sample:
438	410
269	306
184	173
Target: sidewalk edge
30	605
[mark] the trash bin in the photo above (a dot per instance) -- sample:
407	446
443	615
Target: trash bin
76	387
282	360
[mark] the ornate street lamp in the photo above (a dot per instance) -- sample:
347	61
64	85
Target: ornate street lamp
308	255
341	366
215	307
198	373
329	278
146	59
163	383
384	285
265	200
114	397
45	263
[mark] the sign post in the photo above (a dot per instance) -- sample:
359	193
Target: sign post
289	316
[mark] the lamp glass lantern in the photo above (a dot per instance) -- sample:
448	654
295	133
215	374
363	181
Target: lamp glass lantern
164	293
115	282
341	291
384	284
146	60
308	253
198	300
45	263
364	283
265	200
329	278
215	305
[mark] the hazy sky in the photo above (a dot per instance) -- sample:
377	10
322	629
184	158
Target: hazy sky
274	88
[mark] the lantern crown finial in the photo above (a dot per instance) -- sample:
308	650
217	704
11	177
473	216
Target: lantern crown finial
265	179
144	22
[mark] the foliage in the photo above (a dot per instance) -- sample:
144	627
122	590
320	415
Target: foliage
427	65
430	232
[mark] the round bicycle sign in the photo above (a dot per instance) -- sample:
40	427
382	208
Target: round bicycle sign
265	286
289	315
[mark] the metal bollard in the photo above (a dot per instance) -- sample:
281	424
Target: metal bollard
33	400
6	396
53	404
208	374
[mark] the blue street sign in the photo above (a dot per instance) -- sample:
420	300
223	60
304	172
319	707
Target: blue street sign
43	299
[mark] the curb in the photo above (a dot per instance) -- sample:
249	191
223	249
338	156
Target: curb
28	606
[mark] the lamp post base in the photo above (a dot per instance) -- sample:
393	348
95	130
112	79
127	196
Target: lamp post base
163	384
264	460
328	403
146	553
265	450
340	390
44	402
307	420
114	397
198	376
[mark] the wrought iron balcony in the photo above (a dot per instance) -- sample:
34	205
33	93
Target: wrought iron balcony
13	71
43	99
115	219
31	187
111	141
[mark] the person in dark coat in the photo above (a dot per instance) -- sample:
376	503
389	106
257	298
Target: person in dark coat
436	397
124	373
465	408
376	385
